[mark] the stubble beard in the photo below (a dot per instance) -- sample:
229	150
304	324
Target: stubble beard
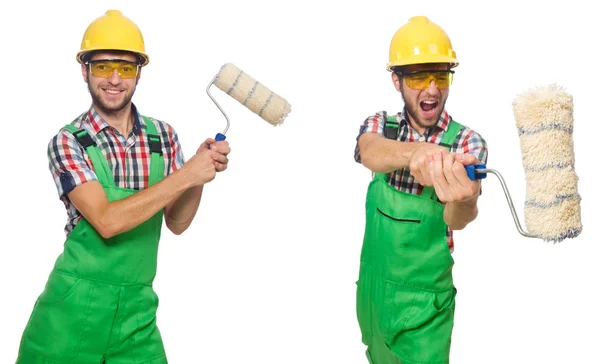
413	112
106	108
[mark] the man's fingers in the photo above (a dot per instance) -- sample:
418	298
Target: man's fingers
220	167
208	142
437	171
221	147
425	178
460	171
450	170
419	171
218	157
460	174
467	159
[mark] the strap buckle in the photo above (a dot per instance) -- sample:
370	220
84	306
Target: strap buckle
155	144
84	138
390	127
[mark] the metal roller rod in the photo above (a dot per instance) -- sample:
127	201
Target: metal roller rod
216	103
508	198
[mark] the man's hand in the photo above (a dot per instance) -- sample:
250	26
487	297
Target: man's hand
420	163
210	158
450	179
221	150
201	167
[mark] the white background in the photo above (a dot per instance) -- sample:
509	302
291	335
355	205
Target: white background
266	273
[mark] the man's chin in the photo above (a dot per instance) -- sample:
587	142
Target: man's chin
110	106
428	123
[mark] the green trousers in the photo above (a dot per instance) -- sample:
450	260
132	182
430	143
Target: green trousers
98	305
405	291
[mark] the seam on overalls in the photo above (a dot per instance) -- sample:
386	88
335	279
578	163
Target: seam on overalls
415	287
404	361
119	284
48	360
411	286
114	320
64	297
84	320
137	316
124	292
412	309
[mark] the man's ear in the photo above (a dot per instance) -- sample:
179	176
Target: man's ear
84	72
397	80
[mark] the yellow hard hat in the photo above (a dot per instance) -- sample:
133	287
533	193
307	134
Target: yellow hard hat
113	31
421	41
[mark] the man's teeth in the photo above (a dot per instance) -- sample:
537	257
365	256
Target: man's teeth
113	91
429	102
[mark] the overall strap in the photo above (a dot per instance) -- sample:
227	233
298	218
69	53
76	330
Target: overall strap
157	162
101	168
390	131
451	134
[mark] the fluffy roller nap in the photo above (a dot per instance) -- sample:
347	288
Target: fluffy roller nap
255	96
544	119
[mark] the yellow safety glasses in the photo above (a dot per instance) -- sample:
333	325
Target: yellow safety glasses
421	80
106	68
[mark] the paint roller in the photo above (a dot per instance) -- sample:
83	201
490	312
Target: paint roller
270	106
544	120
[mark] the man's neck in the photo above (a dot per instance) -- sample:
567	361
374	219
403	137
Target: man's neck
121	120
420	129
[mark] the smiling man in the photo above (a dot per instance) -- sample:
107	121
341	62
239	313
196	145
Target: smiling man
119	174
420	193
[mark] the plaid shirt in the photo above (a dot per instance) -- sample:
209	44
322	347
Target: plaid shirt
128	157
468	141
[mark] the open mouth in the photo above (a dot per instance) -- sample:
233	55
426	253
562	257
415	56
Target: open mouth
429	107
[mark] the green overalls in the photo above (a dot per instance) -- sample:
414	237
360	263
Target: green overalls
98	305
405	292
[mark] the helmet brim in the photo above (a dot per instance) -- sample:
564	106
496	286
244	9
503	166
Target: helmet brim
453	62
143	56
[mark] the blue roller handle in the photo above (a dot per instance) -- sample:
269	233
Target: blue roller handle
219	138
471	171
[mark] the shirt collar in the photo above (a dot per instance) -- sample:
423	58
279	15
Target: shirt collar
98	124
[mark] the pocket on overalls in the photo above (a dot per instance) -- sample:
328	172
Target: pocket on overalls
427	332
431	306
399	306
397	218
58	288
393	231
58	318
441	301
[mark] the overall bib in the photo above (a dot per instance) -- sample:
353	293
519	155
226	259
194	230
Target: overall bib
405	292
98	305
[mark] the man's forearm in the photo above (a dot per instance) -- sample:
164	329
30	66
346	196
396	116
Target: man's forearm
382	155
123	215
458	215
180	214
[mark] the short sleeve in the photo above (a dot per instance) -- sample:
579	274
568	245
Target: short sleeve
67	163
476	145
372	124
176	158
